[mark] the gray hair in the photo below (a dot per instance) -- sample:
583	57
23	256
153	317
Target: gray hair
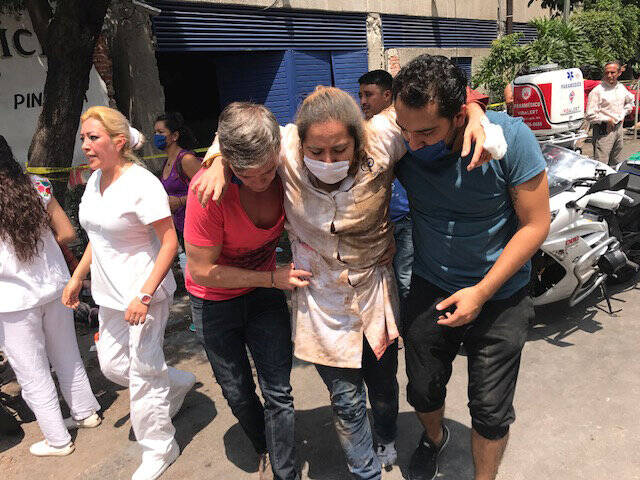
613	62
249	135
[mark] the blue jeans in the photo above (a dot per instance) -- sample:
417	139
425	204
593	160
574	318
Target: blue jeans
260	321
403	259
349	402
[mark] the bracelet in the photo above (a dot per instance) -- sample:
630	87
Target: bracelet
273	283
206	163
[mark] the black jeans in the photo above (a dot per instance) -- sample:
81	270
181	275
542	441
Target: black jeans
260	321
493	342
382	387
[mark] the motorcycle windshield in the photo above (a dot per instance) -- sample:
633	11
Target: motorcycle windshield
564	166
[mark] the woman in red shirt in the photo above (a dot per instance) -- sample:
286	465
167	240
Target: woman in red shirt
236	289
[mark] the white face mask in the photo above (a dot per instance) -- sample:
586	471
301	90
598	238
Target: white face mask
328	173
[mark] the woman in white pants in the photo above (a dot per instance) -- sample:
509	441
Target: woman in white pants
35	328
132	244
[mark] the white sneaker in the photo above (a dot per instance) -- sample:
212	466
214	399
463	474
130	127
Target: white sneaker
92	421
152	469
180	393
43	449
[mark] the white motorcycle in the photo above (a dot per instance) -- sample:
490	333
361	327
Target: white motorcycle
580	252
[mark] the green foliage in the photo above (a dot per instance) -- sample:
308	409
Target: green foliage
591	4
556	6
502	64
602	31
558	42
613	29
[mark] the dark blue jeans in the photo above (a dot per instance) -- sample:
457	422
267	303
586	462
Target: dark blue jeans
403	259
349	402
260	321
403	262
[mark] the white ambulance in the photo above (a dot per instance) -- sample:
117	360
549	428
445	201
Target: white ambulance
550	100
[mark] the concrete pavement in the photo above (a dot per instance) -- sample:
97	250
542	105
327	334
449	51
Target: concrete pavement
577	407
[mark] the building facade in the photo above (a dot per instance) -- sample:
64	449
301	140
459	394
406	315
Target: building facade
276	51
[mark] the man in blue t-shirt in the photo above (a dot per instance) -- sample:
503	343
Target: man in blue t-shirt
474	233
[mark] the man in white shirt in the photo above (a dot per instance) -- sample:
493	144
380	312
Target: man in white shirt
607	106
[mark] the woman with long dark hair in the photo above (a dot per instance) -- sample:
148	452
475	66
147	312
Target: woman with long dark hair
35	328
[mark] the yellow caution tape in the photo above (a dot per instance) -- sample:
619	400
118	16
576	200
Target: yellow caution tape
493	105
151	157
57	179
48	170
162	155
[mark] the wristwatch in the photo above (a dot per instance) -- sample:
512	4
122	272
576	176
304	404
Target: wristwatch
144	298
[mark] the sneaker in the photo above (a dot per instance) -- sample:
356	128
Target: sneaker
387	454
424	461
180	394
264	467
43	449
92	421
151	469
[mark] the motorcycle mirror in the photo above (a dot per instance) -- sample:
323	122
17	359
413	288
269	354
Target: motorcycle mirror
615	181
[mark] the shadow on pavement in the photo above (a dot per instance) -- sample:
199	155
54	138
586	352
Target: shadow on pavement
106	392
238	449
556	322
320	455
196	413
11	433
10	440
182	344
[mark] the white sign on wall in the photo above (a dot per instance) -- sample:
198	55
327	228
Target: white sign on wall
23	70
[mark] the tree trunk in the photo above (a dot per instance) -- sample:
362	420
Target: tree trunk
139	94
40	13
70	41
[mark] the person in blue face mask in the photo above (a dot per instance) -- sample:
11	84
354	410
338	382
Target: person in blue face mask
173	137
474	233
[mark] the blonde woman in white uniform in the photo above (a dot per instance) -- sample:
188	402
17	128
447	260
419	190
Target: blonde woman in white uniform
132	244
